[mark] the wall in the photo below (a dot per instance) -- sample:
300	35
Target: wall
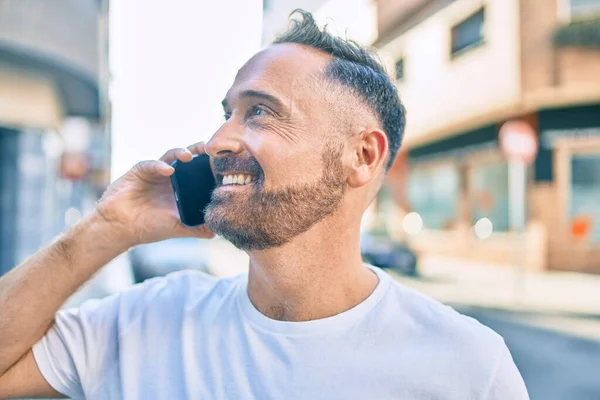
390	12
65	30
554	76
444	94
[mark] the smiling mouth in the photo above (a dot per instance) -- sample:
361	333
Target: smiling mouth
236	179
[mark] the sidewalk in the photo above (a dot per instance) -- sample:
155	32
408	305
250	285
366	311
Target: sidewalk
473	283
561	301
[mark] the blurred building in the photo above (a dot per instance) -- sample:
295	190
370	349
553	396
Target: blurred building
352	19
464	68
276	13
52	110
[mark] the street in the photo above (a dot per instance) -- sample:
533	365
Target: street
554	365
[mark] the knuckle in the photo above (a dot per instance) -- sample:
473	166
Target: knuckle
169	154
144	165
197	147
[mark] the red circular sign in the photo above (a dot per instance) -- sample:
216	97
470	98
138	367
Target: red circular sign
518	141
74	166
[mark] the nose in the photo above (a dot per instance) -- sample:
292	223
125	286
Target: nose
225	142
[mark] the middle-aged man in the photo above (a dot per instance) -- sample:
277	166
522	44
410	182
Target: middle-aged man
315	123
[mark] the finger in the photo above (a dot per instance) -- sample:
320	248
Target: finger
153	168
177	154
198	148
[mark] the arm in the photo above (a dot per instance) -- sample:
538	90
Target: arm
138	208
31	294
506	382
25	379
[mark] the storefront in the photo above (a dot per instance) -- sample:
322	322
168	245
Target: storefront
459	183
568	169
49	77
459	189
459	180
455	184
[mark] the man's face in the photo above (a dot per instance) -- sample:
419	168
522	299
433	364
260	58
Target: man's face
277	157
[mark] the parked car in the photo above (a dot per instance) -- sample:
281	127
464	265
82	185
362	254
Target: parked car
161	258
214	256
220	258
383	252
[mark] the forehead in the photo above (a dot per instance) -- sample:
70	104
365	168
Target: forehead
287	70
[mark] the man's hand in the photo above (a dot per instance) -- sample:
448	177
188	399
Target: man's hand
138	208
141	206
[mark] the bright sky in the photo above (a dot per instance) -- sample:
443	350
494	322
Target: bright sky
171	64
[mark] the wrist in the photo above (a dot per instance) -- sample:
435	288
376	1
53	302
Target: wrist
109	233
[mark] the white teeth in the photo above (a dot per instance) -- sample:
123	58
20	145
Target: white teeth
240	179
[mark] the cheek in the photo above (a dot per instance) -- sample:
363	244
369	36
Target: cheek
287	162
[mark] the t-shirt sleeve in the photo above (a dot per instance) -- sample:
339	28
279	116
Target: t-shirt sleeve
81	348
506	381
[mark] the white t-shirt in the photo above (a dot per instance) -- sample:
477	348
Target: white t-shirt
193	336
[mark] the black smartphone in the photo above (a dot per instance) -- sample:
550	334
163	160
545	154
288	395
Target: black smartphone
193	183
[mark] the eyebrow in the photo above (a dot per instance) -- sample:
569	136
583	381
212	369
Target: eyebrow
257	94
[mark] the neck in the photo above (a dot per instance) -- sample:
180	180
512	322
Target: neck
317	275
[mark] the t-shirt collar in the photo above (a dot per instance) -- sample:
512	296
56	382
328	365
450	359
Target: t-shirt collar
335	322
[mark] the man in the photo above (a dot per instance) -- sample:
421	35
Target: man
312	124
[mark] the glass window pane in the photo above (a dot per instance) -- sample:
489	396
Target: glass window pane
489	194
433	192
469	32
400	70
584	204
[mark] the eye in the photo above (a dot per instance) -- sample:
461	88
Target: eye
257	111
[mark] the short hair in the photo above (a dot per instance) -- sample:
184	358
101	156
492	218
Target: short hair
357	68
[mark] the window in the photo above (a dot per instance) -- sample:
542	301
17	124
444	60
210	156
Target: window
489	194
584	207
584	8
468	33
400	70
434	192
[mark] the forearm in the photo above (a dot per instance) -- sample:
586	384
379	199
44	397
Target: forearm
31	294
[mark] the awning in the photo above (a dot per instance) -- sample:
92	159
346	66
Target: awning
28	99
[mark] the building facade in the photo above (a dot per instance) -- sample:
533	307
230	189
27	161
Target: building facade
466	67
53	139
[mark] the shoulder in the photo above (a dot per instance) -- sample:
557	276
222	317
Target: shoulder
172	294
439	319
444	330
472	353
189	284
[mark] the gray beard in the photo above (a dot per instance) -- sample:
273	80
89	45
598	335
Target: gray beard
263	220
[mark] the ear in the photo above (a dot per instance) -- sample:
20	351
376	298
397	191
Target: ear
368	157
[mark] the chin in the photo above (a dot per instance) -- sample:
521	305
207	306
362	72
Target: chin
242	233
